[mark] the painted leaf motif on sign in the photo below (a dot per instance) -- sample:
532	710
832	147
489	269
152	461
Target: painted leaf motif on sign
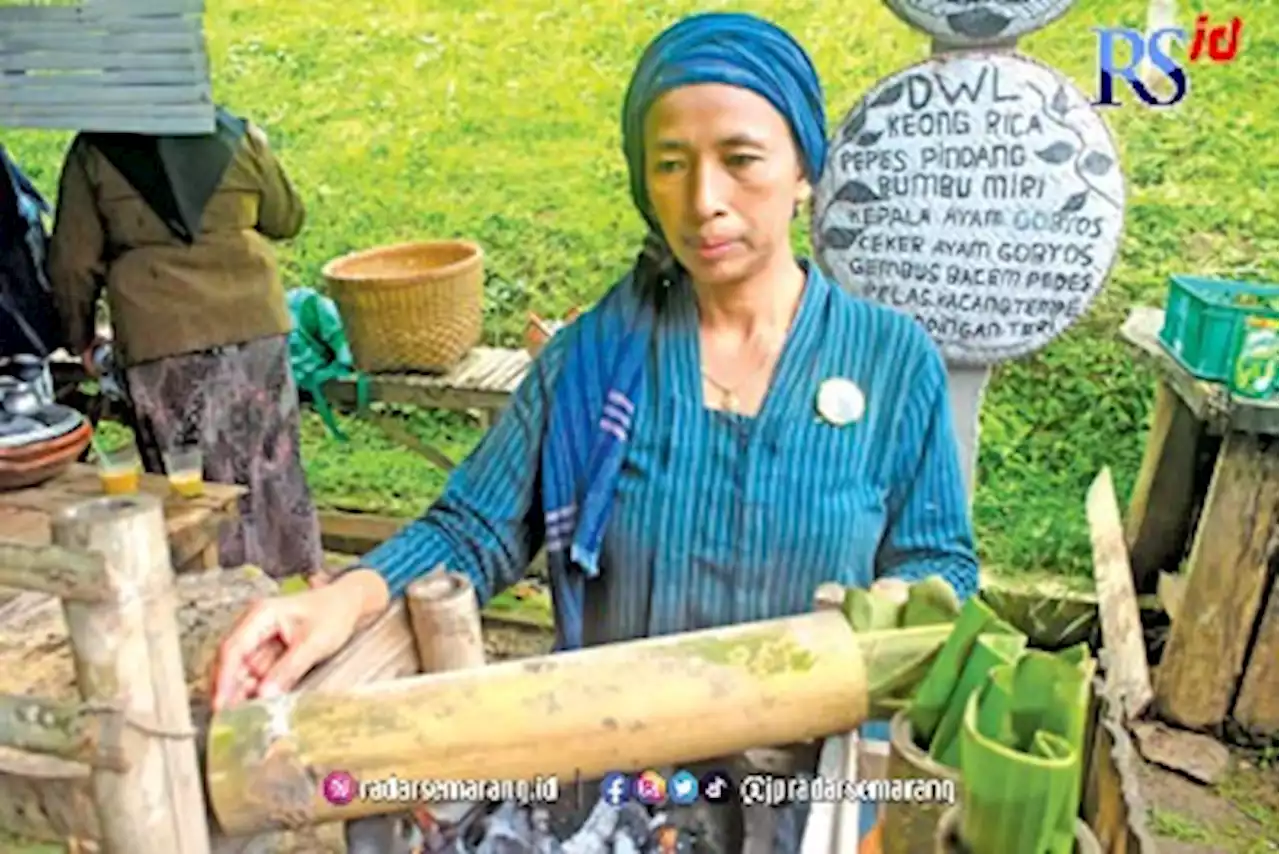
890	95
869	138
1059	152
1096	163
978	23
856	192
840	238
1060	101
1075	202
855	123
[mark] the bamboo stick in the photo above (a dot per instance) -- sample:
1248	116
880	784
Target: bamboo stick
49	569
127	652
71	731
627	706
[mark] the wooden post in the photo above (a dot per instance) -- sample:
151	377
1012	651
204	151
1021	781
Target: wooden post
1124	650
1256	705
1226	580
128	659
445	616
1160	507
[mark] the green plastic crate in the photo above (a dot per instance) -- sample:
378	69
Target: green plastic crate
1203	318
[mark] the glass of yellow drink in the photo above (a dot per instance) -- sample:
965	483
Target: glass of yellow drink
119	471
184	466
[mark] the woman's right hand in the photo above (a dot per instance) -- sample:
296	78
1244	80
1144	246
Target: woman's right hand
278	640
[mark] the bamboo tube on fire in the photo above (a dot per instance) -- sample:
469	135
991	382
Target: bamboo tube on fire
620	707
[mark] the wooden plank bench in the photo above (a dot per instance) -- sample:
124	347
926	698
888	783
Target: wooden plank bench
484	380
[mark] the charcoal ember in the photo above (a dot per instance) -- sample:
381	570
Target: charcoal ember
507	831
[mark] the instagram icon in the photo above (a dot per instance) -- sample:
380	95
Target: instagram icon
651	788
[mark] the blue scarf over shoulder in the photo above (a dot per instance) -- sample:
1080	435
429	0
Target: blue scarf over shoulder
594	399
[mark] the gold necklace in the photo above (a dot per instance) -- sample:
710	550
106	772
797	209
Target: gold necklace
729	394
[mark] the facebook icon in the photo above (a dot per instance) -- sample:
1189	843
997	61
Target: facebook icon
614	789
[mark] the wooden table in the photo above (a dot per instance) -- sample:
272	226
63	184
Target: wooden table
193	522
1202	530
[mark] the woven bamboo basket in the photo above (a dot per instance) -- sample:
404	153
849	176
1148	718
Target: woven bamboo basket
412	306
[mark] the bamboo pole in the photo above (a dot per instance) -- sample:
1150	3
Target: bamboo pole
49	569
627	706
72	731
127	657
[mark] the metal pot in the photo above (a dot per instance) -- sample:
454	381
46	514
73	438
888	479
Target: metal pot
34	372
19	398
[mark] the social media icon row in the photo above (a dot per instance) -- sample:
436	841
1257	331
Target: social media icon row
652	789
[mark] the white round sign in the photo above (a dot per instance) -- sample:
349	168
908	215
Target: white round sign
978	22
980	193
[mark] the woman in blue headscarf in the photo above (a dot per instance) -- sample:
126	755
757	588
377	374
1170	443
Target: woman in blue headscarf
723	432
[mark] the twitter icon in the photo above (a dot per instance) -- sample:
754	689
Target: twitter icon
682	788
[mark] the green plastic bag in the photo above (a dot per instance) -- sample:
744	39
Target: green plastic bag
319	352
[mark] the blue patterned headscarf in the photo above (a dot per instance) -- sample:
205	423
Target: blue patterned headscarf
594	399
738	50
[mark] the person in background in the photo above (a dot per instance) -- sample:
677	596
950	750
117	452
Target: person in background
726	430
176	229
28	321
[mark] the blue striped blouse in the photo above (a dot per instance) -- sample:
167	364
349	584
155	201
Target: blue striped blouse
719	518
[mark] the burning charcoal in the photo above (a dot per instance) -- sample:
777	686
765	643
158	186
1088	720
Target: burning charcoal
596	831
622	844
668	839
633	821
507	831
382	834
544	840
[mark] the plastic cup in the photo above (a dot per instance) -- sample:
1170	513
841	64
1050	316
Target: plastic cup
119	471
185	469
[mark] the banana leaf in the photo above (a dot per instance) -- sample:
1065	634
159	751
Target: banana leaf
990	651
1010	797
1021	743
931	699
1051	693
870	612
930	602
896	660
900	640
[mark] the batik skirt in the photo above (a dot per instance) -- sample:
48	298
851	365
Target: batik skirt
240	406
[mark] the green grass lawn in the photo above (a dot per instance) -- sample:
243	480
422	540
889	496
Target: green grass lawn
499	121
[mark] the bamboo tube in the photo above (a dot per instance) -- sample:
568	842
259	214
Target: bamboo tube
128	659
445	616
909	827
627	706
